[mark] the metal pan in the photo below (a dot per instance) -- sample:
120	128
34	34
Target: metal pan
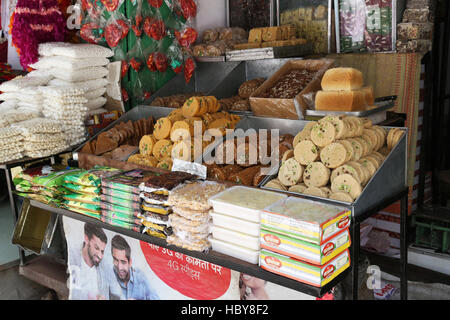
390	178
380	107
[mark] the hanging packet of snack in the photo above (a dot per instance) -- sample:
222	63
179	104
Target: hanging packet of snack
136	57
112	5
116	29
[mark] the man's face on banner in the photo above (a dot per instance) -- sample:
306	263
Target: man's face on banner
121	264
96	249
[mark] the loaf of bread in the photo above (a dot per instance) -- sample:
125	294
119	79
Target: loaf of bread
272	34
255	35
341	100
370	99
336	79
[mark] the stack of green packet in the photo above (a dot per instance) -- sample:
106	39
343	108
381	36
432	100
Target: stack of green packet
85	190
120	208
120	201
46	188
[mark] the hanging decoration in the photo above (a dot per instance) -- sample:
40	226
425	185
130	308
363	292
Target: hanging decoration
35	22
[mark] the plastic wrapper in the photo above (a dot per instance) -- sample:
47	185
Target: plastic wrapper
83	50
89	199
116	29
46	152
18	83
188	8
200	245
154	233
92	177
123	224
186	37
175	57
121	202
61	92
10	157
135	218
119	209
195	195
92	33
10	133
92	208
38	125
189	68
80	74
112	5
196	226
154	27
136	24
93	191
120	194
54	179
136	56
47	145
366	25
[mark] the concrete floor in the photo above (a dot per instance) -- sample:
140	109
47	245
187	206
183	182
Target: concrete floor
8	251
16	287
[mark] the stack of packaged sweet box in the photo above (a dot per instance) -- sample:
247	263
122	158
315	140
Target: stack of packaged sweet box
305	240
300	239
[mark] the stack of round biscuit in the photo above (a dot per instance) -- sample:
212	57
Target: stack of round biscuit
334	158
173	136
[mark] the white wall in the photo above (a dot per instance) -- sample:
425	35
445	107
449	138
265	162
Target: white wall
13	57
211	14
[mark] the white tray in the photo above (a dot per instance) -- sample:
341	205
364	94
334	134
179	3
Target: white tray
241	211
229	222
237	238
232	250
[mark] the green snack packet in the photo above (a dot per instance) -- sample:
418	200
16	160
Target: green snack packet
76	188
54	179
119	209
121	216
91	178
121	202
122	224
92	208
84	198
86	213
121	194
41	198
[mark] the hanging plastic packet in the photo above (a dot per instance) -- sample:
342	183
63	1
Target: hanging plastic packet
93	23
189	68
186	37
175	57
136	56
116	29
155	3
188	8
154	27
136	23
112	5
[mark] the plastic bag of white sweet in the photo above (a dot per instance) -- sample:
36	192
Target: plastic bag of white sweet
38	125
62	91
19	83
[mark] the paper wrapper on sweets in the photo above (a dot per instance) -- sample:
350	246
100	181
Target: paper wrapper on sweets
296	107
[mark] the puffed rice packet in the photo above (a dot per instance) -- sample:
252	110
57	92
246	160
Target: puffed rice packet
11	157
6	133
46	137
62	91
38	125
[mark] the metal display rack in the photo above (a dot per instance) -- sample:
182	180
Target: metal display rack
385	188
6	167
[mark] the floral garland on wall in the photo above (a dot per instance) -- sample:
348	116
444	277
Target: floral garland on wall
34	22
